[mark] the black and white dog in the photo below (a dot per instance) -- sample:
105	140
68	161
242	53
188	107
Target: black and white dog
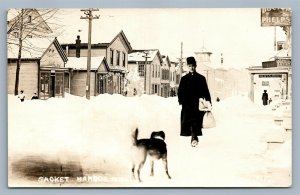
155	148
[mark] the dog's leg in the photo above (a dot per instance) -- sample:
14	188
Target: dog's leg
152	168
138	170
132	170
165	162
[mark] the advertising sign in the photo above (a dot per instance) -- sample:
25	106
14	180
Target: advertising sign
276	17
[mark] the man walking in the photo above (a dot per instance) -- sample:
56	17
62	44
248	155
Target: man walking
192	87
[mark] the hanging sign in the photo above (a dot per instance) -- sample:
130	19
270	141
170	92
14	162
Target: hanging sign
276	17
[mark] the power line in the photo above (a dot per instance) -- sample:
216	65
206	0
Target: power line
90	17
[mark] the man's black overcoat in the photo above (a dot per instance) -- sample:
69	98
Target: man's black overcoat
192	87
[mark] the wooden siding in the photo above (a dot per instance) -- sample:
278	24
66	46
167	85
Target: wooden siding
83	52
28	78
117	45
156	79
78	83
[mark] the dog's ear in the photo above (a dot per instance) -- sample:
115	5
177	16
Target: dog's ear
152	134
162	134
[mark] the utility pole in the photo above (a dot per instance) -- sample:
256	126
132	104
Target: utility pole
145	69
180	61
90	17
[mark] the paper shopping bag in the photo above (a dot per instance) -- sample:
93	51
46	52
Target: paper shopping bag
208	120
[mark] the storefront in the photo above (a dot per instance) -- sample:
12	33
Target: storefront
275	77
53	83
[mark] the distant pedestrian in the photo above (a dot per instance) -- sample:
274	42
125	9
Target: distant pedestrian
192	87
34	97
134	92
125	93
270	100
21	96
172	93
265	98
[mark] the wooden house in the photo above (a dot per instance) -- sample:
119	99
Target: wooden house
115	55
165	76
150	74
42	69
99	77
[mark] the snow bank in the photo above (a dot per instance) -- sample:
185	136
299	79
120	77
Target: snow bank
97	133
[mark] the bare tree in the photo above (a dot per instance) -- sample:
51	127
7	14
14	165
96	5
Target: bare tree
26	24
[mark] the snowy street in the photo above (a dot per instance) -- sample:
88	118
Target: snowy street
95	135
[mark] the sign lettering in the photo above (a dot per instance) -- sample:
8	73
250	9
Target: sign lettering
276	17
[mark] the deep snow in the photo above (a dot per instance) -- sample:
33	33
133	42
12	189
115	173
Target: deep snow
97	134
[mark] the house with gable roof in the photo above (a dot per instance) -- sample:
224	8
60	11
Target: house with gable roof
115	55
165	76
34	25
42	69
150	74
99	79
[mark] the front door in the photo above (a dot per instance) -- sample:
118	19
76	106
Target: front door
52	84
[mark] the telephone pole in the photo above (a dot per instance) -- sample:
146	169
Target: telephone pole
180	61
90	17
145	69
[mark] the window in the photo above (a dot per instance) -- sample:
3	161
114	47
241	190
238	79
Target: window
111	57
118	58
158	71
124	59
59	84
141	70
101	88
29	19
16	34
152	71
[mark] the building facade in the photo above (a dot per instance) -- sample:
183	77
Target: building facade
165	77
44	74
116	57
148	72
273	76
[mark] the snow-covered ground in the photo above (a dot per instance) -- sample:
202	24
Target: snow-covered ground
96	134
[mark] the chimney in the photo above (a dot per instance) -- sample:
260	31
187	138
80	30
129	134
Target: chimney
78	41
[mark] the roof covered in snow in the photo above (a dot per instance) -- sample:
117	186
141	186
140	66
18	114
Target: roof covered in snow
100	31
283	53
33	48
203	50
139	55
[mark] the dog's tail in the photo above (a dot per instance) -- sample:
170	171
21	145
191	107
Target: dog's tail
135	136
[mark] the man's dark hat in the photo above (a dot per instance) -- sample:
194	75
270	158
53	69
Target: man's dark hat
191	60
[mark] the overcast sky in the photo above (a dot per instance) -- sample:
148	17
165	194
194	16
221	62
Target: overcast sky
235	32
